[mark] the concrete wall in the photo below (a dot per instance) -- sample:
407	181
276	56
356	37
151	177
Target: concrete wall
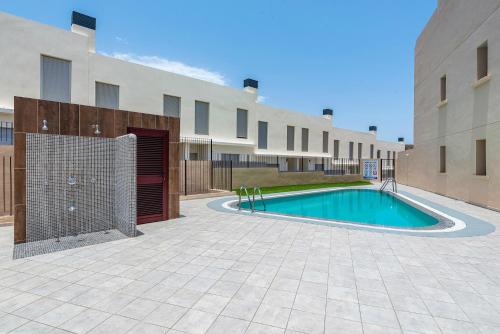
269	177
448	46
142	89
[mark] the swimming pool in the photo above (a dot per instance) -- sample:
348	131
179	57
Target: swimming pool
364	206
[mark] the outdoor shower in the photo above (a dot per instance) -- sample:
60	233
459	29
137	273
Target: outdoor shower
79	185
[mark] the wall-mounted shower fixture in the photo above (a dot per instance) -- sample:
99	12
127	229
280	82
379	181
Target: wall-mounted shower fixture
71	180
97	132
45	125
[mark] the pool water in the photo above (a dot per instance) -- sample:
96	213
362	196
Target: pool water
352	205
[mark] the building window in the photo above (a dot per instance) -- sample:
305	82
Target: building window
336	145
290	138
262	144
360	150
107	95
171	106
443	88
482	61
325	141
201	112
388	154
351	150
394	155
55	84
442	159
481	157
378	154
372	148
305	139
241	123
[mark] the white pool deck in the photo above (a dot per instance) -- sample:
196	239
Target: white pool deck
218	272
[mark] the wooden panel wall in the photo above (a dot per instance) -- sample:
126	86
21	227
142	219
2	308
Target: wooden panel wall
78	120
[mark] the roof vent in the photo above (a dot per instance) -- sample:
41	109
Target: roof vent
250	83
84	25
83	20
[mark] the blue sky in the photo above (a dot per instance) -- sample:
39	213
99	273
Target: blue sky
353	56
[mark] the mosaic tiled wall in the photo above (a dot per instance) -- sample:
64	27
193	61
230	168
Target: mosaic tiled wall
80	120
125	215
70	185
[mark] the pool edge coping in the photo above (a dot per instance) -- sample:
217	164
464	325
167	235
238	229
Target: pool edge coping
471	226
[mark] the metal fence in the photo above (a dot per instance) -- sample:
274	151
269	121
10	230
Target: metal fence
203	170
387	169
342	166
6	133
199	149
248	160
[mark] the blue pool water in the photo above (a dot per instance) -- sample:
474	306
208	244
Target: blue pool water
353	205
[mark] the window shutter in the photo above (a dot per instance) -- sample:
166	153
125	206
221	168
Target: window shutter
290	138
325	141
241	123
171	106
107	95
336	144
55	82
305	139
262	144
201	118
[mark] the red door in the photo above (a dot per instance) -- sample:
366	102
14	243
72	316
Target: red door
152	175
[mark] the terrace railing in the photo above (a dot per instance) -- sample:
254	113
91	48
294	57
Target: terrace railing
6	133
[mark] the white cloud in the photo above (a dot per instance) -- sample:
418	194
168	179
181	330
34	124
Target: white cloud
121	40
172	66
261	99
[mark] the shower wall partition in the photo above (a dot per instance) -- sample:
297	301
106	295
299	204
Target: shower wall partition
77	185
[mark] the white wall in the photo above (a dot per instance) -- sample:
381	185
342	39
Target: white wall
142	89
366	138
448	46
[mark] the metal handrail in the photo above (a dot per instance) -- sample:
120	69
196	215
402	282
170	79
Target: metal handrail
393	183
255	189
239	197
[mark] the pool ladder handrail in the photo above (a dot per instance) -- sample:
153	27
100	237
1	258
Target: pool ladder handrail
243	188
393	182
255	189
250	200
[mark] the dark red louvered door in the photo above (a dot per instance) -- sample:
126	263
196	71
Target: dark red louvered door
152	175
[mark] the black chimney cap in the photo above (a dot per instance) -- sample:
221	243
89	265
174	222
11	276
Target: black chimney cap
372	128
251	83
328	112
401	139
83	20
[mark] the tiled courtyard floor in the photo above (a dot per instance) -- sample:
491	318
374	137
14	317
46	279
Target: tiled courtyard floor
214	272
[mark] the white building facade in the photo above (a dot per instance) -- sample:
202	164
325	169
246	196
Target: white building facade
41	61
